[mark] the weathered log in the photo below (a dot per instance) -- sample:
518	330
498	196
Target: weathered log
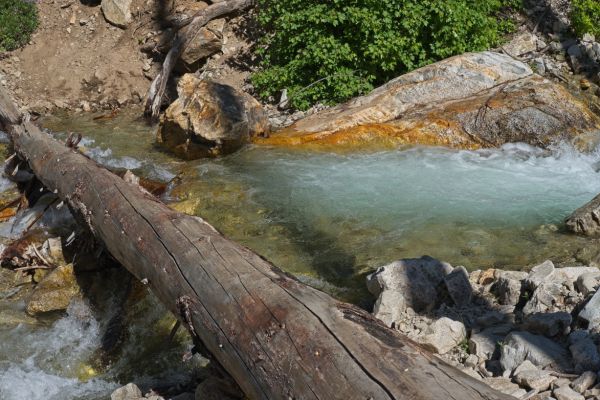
159	84
278	338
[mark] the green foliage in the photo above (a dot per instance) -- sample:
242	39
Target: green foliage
585	16
18	20
330	50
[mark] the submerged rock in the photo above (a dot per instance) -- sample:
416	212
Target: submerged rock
209	119
469	101
117	12
54	292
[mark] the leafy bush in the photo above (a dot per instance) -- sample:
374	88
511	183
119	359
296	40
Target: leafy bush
585	16
330	50
18	20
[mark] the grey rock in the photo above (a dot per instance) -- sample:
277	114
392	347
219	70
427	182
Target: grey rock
525	366
566	393
535	379
484	344
508	291
406	283
588	282
591	311
443	335
584	382
540	274
586	220
588	37
541	351
490	318
585	354
544	298
459	287
117	12
521	44
548	324
127	392
574	51
214	388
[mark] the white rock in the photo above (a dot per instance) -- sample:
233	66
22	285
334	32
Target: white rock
443	335
127	392
566	393
584	382
117	12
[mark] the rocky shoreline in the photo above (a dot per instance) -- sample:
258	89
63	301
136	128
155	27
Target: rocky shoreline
532	335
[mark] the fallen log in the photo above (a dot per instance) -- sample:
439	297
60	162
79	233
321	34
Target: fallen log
278	338
159	84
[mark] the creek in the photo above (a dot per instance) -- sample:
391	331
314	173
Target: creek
327	218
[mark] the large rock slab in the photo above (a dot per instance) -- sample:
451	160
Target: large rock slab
209	119
406	283
586	220
541	351
117	12
469	101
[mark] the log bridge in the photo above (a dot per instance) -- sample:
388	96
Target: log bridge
277	337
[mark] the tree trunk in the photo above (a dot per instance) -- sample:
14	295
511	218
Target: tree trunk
159	85
278	338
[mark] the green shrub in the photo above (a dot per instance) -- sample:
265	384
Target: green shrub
585	16
330	50
18	20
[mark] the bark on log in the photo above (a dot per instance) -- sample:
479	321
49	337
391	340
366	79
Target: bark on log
278	338
159	84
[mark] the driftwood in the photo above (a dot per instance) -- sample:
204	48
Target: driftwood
187	34
278	338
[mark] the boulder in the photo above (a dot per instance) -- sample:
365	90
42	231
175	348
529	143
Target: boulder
505	386
587	283
209	119
541	351
207	42
127	392
469	101
117	12
54	292
586	220
406	283
459	286
443	335
548	324
544	298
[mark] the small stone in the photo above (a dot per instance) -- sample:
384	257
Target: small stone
127	392
566	393
472	361
505	385
443	335
588	37
584	382
117	12
525	366
584	84
535	379
508	291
